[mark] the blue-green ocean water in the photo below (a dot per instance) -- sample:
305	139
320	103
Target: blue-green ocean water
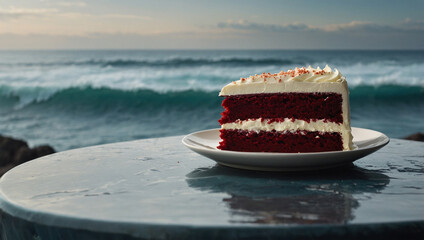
72	99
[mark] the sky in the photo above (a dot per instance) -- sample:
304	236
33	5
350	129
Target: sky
218	24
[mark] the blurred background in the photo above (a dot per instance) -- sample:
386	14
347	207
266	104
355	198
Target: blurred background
80	73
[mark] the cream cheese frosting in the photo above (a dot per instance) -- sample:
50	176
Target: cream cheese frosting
303	79
266	82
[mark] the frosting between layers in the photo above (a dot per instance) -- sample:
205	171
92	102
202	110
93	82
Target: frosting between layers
289	125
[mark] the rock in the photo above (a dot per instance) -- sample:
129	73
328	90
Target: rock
8	148
11	145
14	152
43	150
415	137
24	155
5	157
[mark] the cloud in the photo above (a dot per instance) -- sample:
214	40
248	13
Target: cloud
72	4
367	27
18	13
407	34
214	39
91	17
51	21
126	16
14	13
246	25
116	40
413	24
352	27
50	28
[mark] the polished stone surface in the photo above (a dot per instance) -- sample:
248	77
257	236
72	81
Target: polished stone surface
156	188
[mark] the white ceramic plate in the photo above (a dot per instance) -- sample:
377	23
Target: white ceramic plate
205	143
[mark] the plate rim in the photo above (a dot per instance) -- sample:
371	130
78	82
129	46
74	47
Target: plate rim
384	142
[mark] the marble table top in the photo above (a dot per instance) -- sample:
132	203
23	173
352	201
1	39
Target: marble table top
157	188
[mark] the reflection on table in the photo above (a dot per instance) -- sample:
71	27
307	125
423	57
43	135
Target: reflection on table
289	198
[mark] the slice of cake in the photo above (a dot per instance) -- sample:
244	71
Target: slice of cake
301	110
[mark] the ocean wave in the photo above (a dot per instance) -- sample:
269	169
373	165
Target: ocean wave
169	62
206	77
89	97
386	93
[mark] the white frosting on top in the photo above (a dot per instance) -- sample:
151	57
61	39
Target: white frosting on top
298	74
258	83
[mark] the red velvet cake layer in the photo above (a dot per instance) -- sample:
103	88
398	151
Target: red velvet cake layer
273	141
302	106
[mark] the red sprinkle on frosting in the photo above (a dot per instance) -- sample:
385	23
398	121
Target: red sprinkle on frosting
291	73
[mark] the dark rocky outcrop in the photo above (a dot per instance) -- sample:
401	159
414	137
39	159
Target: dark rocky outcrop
14	152
415	137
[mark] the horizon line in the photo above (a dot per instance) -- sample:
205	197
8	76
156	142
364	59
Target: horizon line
204	49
